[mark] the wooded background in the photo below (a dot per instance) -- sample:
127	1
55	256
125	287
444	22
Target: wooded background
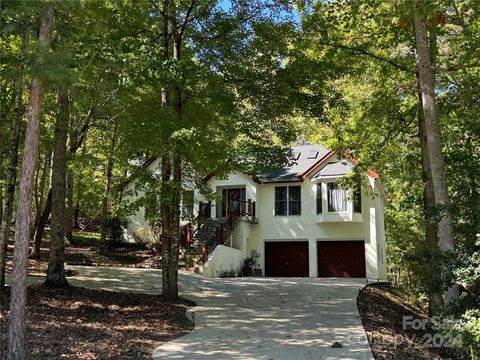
91	89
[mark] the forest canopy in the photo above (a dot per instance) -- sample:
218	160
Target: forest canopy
90	90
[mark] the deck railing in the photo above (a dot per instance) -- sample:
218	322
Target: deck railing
223	230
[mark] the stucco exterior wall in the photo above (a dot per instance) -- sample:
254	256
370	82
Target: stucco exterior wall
234	180
138	229
241	237
223	259
308	226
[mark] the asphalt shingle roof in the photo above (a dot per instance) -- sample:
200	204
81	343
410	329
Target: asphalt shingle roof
304	157
335	169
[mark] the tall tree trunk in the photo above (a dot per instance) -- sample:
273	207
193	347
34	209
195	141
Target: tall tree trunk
10	190
176	187
431	238
426	79
40	199
2	179
56	263
474	198
16	331
40	226
7	210
76	214
169	286
69	207
108	186
168	237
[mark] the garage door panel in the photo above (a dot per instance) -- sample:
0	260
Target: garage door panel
286	258
341	258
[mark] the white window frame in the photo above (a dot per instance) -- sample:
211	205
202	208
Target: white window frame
287	201
348	202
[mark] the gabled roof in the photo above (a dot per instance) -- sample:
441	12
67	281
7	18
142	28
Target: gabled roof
335	169
304	158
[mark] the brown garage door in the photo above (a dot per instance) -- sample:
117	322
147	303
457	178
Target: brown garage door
286	258
341	258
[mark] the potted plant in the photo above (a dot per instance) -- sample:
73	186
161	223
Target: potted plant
247	269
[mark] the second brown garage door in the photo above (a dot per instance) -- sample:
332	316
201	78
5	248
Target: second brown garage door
286	258
341	258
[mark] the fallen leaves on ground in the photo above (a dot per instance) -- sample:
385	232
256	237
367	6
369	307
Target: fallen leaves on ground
382	313
124	255
79	323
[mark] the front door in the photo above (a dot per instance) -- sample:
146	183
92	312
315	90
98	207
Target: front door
232	199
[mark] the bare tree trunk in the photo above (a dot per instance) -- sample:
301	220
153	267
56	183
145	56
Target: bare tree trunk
176	187
42	222
76	215
10	192
108	186
16	333
474	198
40	198
431	239
2	179
169	287
56	263
168	237
69	207
12	170
426	79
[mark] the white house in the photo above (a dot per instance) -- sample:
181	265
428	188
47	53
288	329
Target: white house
294	222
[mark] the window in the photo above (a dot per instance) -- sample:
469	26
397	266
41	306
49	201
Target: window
281	200
294	201
312	154
187	203
319	198
288	200
337	199
357	199
294	156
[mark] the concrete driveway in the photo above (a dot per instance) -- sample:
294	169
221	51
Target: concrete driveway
252	318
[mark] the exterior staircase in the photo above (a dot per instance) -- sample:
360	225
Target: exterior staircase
214	232
189	257
196	246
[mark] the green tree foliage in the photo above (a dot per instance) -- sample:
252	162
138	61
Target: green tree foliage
370	108
252	74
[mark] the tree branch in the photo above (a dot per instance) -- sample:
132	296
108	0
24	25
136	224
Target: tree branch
185	21
456	68
361	51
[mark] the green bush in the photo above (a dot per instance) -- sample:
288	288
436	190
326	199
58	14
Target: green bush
115	226
228	273
466	335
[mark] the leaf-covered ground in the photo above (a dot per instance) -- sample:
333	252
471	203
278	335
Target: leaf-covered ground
79	323
382	310
86	251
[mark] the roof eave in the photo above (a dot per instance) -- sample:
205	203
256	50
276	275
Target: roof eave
316	165
371	172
